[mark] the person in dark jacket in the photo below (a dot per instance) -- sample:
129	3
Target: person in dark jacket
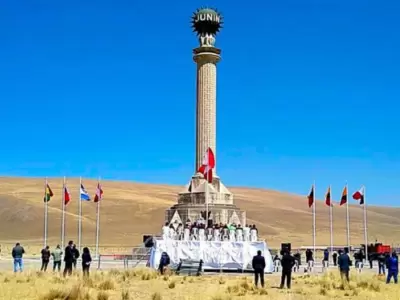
258	265
325	262
334	258
287	262
17	253
86	261
393	268
76	254
309	260
381	263
45	258
164	262
297	265
68	258
344	264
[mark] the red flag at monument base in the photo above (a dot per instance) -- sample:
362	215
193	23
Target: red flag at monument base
207	165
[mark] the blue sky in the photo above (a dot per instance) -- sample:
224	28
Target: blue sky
307	90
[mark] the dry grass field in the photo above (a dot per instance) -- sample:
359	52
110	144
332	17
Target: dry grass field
147	284
131	209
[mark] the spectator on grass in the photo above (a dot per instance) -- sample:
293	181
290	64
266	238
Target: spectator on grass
45	258
86	261
17	253
344	264
381	263
309	260
68	258
334	258
277	263
258	264
164	262
287	262
393	268
297	256
57	254
326	258
75	255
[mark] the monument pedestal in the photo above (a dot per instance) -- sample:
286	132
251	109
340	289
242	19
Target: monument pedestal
192	203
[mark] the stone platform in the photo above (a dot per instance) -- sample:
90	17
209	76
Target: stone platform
192	203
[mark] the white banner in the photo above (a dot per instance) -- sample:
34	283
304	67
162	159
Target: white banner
215	255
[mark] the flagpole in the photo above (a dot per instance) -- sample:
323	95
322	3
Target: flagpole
365	226
314	220
331	216
347	216
63	216
45	213
80	216
98	221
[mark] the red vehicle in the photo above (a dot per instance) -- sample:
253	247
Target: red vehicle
375	250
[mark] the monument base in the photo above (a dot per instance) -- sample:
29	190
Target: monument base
215	255
192	203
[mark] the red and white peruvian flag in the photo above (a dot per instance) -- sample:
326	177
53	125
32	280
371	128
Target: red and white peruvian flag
359	195
99	193
208	165
67	196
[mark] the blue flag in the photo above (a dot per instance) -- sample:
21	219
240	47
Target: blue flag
84	195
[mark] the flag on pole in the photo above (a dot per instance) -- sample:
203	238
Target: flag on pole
343	200
328	197
48	194
67	196
99	193
207	165
84	195
359	195
311	197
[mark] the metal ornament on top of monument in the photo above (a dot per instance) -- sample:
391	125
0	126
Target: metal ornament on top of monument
207	22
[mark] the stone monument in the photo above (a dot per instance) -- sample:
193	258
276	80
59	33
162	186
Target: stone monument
192	200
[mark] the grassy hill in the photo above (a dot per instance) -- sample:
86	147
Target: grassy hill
131	209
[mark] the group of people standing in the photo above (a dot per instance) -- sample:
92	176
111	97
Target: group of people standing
70	255
198	231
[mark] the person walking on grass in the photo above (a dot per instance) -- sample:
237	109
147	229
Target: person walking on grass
344	263
57	254
68	258
45	258
86	261
287	262
17	253
258	264
393	268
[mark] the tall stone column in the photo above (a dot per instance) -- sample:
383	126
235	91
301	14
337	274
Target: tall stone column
206	108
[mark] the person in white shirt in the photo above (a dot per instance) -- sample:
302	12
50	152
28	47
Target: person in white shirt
253	234
202	233
239	233
186	233
195	233
172	232
246	233
210	233
179	232
216	235
165	231
232	233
